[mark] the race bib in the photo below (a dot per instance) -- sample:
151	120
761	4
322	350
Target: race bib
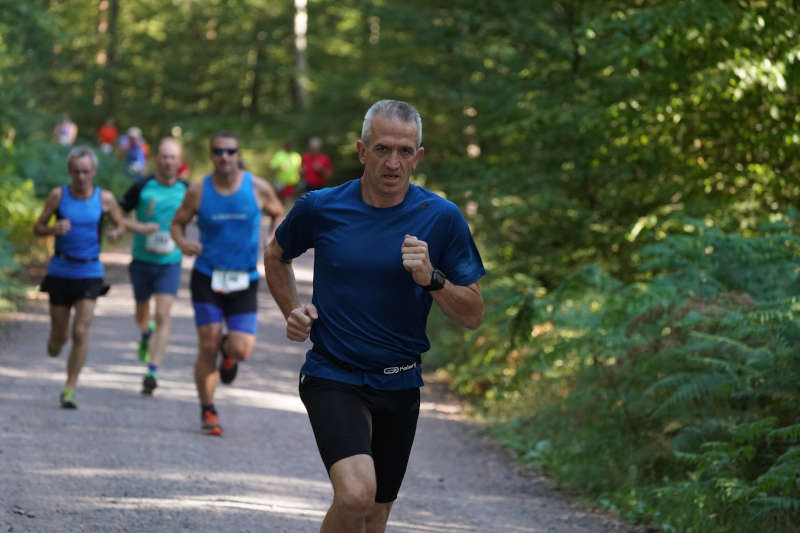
159	243
230	280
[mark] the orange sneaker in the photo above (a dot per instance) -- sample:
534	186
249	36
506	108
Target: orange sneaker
211	424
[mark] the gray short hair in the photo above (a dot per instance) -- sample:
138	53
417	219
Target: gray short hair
82	151
396	109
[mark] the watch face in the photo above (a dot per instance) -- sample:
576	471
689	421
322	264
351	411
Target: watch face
437	280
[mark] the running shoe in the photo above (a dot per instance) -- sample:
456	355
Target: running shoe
144	344
228	366
68	399
149	383
211	424
53	349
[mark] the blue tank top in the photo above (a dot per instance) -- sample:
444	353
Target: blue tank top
229	229
78	251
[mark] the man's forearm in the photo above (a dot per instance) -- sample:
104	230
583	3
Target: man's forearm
461	304
178	233
282	284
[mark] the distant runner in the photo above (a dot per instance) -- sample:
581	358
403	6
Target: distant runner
75	274
228	204
156	267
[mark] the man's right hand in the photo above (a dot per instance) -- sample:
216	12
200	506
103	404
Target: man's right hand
299	322
190	247
150	227
62	227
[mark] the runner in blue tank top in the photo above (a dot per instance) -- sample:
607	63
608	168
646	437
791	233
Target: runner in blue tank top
228	204
75	273
155	270
384	251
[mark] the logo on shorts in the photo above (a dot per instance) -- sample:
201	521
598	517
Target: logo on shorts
397	369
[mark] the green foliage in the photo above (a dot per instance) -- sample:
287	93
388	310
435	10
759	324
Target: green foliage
626	166
18	211
674	400
11	291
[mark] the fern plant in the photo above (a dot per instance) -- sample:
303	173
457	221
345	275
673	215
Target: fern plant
674	398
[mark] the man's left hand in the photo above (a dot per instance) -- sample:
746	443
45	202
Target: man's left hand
416	260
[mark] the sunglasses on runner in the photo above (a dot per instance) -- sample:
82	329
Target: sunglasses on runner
220	151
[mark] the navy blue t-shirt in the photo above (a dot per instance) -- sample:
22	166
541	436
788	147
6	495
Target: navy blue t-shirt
371	312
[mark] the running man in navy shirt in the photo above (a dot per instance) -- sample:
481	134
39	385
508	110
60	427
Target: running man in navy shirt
228	204
384	251
75	274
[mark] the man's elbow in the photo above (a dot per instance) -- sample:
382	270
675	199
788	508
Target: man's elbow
473	320
476	322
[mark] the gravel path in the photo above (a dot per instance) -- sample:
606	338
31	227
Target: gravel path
123	462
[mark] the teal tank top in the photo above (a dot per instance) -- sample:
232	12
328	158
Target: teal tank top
157	203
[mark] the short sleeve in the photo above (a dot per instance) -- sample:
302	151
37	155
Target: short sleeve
460	260
295	234
131	197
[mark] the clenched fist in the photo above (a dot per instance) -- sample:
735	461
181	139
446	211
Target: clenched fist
416	260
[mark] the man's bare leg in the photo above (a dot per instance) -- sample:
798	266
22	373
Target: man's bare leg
158	344
354	487
84	311
59	329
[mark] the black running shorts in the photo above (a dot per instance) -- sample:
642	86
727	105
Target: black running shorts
349	420
67	291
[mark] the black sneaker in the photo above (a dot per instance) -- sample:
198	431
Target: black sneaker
228	366
149	383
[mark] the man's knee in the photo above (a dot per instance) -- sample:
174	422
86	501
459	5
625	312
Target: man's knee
162	319
239	346
208	348
80	332
356	498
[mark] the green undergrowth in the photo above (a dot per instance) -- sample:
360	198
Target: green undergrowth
672	400
30	170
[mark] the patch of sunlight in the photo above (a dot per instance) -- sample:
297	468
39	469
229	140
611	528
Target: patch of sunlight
180	475
271	400
436	527
26	317
25	373
270	503
441	411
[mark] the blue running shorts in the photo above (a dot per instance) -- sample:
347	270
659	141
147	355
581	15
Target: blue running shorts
238	309
149	279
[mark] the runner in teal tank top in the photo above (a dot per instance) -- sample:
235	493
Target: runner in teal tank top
228	204
155	270
75	274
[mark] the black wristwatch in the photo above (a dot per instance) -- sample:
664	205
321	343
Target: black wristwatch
437	281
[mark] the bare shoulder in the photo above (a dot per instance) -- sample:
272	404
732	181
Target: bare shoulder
261	185
193	193
107	196
190	205
55	193
54	197
263	188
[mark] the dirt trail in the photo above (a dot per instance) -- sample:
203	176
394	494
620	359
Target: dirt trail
123	462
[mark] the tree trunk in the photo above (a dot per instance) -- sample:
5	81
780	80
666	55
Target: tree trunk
300	78
111	58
